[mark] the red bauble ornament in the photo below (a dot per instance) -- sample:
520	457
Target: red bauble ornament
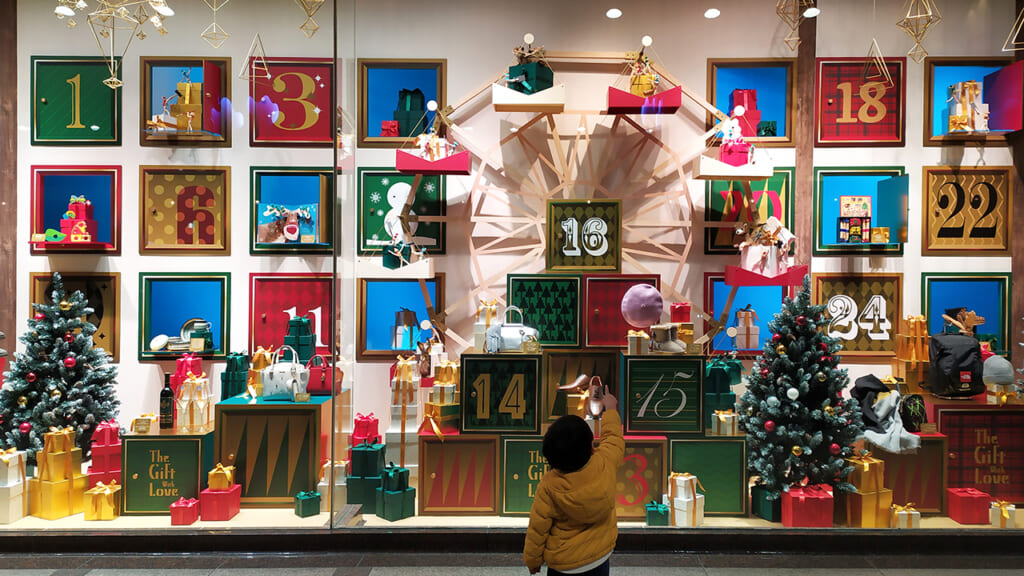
25	427
835	449
39	316
765	373
823	347
31	377
801	320
826	359
69	338
769	426
776	337
70	362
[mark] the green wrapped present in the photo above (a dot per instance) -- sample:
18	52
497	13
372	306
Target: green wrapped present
237	363
361	490
657	514
411	100
304	346
300	326
767	128
232	385
717	401
307	504
394	505
762	507
367	459
721	374
395	477
530	78
410	123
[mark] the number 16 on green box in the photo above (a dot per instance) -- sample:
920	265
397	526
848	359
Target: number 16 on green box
662	394
500	393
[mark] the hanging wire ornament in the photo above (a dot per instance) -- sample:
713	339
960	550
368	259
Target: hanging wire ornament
127	16
255	64
310	8
875	68
214	34
66	9
792	14
1014	41
920	17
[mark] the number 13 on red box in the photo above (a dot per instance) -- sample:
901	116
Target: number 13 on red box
857	106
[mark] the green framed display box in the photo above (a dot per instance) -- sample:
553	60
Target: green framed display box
662	394
551	304
160	467
70	103
500	393
721	467
522	467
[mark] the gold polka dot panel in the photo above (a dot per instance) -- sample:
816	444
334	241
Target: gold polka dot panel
185	209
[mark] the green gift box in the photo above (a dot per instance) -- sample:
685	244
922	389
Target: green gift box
303	344
657	514
394	505
721	374
361	491
717	401
395	478
307	504
762	507
410	122
767	128
530	78
411	100
237	363
368	459
232	384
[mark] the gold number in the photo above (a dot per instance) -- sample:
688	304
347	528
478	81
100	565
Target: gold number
482	387
76	101
308	108
871	111
513	402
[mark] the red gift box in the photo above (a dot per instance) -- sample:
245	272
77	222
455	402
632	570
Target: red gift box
187	363
746	97
184	512
734	153
679	312
389	128
968	505
808	507
106	477
366	426
106	457
108	432
220	505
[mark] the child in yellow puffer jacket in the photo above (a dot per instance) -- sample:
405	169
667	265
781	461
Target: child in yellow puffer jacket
573	526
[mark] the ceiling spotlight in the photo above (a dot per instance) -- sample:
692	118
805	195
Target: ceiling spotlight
161	7
812	12
613	13
63	10
712	13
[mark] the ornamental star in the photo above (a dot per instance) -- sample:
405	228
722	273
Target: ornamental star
317	78
429	187
317	110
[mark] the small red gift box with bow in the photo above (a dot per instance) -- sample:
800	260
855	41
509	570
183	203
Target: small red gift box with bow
968	505
184	512
807	507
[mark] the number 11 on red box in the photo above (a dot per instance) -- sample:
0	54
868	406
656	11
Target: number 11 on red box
276	298
855	105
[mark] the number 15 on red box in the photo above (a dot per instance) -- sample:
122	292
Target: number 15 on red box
855	105
274	299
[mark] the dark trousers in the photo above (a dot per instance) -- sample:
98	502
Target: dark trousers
601	570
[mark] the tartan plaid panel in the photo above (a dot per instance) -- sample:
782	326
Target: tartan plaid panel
986	451
831	104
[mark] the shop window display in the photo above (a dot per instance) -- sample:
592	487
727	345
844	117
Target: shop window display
429	294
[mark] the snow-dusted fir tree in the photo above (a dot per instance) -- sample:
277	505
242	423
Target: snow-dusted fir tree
60	380
799	427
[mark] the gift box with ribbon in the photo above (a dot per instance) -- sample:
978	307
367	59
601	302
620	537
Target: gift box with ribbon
912	339
307	503
679	312
220	505
106	433
725	423
442	393
864	509
999	394
807	506
395	477
54	500
221	477
734	152
332	499
108	477
143	423
362	491
184	512
12	467
722	373
638	342
103	502
194	403
59	460
905	516
747	338
261	359
340	468
106	458
234	378
530	77
13	486
389	129
301	338
657	514
486	315
367	426
765	250
368	460
1002	514
868	473
182	367
762	507
717	401
687	505
441	419
967	110
968	505
394	505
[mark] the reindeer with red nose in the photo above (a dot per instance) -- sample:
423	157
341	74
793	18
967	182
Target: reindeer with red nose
285	227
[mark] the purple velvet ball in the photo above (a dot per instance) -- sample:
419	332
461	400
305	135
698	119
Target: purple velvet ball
642	305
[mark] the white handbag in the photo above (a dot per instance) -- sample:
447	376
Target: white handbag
510	336
283	380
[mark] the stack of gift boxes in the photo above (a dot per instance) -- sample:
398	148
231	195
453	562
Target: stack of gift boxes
332	471
854	224
222	498
911	362
106	454
870	506
187	364
748	333
486	314
234	378
765	250
301	338
751	119
395	499
441	411
686	505
103	501
188	111
78	223
402	435
720	375
59	486
13	489
367	467
967	110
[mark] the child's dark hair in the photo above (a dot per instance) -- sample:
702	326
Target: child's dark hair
568	444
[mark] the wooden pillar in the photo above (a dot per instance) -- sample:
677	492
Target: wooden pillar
1017	247
803	186
8	171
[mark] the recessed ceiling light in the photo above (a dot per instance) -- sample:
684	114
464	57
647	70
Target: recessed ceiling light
613	13
812	12
712	13
63	11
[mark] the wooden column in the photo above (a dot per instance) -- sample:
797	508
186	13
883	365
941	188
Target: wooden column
1017	248
8	171
803	186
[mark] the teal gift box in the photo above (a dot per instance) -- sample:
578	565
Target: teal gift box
721	374
717	401
762	507
232	385
307	504
361	491
394	505
410	123
657	514
767	129
396	256
395	477
368	460
237	363
530	78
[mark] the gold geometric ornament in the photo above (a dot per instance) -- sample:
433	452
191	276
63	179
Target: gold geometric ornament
255	64
875	69
214	34
792	14
920	16
128	16
1014	41
310	8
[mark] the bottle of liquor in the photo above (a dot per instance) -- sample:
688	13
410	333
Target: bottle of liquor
167	404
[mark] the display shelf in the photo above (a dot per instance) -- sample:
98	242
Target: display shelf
549	101
622	102
707	168
458	164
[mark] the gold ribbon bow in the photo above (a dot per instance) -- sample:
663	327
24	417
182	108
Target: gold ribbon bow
890	380
723	414
639	333
895	510
693	495
490	308
1004	511
324	468
220	471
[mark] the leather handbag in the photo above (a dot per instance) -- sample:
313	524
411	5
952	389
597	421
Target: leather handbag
510	336
283	380
320	375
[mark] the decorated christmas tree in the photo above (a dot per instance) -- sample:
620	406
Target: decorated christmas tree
799	427
60	380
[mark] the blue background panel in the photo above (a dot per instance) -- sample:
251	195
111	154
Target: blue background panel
58	189
985	295
383	85
835	185
386	297
163	81
942	78
765	300
173	301
770	83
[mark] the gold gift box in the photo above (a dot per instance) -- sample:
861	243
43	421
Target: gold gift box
642	85
180	113
868	474
58	466
190	93
221	477
879	235
865	509
54	500
103	502
441	412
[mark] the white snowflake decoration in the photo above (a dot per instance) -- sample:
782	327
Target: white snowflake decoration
375	197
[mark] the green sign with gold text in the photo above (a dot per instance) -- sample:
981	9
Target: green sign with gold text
159	469
522	467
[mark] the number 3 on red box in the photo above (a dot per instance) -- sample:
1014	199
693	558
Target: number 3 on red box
855	105
293	106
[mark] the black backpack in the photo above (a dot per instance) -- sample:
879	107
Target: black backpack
955	366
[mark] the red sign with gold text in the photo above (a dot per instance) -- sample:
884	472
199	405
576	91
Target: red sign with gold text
857	106
294	105
986	450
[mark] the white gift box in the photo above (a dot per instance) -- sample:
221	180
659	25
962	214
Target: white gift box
12	468
479	338
12	502
688	513
767	261
996	518
443	394
340	472
685	488
638	344
437	358
340	496
906	519
724	425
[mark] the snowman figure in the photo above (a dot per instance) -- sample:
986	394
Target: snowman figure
398	193
731	127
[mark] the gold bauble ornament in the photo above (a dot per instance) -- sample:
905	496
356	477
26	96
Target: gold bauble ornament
821	376
797	450
55	394
781	349
830	411
22	401
65	305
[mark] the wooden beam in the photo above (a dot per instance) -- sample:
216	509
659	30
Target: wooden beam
803	186
8	173
1017	248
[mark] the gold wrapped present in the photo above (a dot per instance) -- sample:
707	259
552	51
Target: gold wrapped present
486	313
1002	514
57	466
999	393
221	477
868	473
879	235
639	342
446	372
143	423
261	358
194	403
685	332
189	117
54	500
864	509
905	516
59	439
190	93
103	502
643	85
441	419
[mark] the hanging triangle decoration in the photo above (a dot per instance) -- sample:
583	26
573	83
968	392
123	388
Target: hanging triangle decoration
255	64
875	68
1015	41
919	19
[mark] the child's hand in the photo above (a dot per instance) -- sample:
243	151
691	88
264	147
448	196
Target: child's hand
535	570
610	402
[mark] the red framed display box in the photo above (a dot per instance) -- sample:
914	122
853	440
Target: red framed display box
604	324
76	209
